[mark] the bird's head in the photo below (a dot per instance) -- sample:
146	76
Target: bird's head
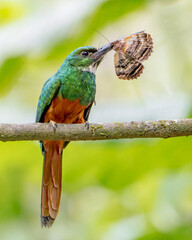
87	57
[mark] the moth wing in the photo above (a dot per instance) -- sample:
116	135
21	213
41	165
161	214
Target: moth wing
127	67
138	46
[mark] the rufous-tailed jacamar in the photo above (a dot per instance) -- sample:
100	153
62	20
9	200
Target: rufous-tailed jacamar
66	97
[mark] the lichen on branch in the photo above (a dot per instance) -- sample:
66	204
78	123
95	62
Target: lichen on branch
104	131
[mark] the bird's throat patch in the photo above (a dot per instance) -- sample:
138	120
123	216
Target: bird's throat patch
91	69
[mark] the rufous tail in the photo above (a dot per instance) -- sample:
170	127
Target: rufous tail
51	182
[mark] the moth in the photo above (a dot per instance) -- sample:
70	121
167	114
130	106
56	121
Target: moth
131	51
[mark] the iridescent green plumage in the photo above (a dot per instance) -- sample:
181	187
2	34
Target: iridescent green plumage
73	81
66	97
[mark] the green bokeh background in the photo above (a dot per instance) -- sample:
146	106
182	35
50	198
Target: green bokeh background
128	189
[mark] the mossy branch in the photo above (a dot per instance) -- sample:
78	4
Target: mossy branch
104	131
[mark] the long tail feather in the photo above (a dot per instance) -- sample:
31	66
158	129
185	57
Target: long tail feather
51	183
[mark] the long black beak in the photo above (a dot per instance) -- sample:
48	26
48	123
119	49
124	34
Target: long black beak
101	52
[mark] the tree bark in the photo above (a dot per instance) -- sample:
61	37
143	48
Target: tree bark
95	131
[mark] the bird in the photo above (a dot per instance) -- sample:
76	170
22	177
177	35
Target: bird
66	97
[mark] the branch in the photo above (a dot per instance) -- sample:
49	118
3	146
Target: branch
105	131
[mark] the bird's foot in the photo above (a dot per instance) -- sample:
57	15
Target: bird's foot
87	125
54	124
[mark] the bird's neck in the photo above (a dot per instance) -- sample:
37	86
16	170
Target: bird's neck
78	83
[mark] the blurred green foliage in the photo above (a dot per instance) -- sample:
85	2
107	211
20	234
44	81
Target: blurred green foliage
138	189
107	13
10	11
121	179
9	72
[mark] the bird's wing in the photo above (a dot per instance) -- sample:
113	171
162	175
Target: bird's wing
87	111
49	90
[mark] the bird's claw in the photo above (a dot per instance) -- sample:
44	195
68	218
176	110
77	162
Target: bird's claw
54	124
87	125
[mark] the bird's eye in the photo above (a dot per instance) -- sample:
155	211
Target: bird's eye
84	53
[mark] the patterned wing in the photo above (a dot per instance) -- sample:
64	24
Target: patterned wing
130	53
49	90
127	68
